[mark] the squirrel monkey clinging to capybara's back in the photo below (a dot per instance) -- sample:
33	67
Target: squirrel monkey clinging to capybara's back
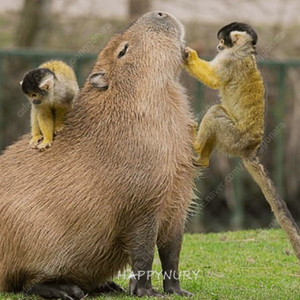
236	126
50	89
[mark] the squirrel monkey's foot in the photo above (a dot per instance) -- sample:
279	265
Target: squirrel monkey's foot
35	140
201	162
58	129
44	145
191	55
194	130
196	145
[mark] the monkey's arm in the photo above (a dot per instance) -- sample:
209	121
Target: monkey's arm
35	129
201	70
46	123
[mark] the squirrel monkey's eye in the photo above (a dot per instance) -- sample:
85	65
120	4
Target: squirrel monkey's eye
221	42
33	95
123	51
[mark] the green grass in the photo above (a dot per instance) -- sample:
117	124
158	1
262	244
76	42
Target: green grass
232	266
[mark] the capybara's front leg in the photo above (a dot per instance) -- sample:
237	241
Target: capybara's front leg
169	251
142	253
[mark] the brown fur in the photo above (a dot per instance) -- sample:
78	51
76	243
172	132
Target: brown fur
118	178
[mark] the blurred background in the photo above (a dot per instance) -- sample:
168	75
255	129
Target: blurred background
32	31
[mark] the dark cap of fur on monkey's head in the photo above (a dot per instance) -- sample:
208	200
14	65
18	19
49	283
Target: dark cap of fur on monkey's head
224	32
32	80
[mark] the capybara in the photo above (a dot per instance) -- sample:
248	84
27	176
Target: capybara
117	181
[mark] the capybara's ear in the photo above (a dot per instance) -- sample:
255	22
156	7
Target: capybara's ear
99	80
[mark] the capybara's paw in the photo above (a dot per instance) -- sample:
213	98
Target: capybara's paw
108	287
179	291
142	292
57	291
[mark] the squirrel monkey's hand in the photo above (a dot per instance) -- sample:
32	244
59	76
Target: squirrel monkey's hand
44	145
35	140
191	55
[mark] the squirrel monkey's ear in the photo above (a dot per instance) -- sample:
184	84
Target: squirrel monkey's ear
98	79
47	82
238	37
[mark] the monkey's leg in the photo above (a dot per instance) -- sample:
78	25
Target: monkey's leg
277	204
218	129
46	123
141	251
54	290
60	114
35	130
169	252
206	136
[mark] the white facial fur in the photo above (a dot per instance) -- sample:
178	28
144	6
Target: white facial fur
240	37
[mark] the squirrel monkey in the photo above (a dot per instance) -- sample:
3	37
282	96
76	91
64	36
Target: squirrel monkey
236	125
50	89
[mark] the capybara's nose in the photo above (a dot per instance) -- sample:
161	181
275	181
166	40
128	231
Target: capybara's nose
161	15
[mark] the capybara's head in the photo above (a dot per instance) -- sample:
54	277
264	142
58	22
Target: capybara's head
152	46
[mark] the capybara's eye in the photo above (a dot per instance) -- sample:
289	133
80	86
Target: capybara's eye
123	52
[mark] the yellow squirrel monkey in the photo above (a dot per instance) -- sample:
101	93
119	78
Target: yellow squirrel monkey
236	125
50	89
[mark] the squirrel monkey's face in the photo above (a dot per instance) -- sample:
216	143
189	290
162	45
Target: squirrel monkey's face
35	98
237	38
37	84
221	46
236	34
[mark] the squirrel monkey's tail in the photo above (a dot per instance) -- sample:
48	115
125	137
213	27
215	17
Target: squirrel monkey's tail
278	206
